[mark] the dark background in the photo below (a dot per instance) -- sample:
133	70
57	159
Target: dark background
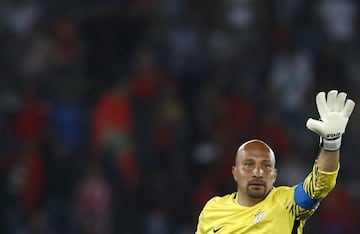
122	116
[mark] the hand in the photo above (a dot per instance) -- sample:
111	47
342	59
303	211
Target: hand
334	116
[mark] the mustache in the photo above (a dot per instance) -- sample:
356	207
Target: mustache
256	182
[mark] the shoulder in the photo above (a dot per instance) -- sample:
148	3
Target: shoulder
282	189
224	200
282	193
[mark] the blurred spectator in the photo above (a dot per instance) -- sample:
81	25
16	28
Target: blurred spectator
339	18
290	80
66	41
35	59
112	133
21	15
156	223
24	185
171	123
270	126
92	204
29	123
67	121
338	214
240	14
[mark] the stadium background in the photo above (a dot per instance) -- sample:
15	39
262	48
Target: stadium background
122	116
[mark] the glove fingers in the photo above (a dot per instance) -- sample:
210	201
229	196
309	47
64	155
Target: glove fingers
331	100
321	104
348	108
340	101
315	126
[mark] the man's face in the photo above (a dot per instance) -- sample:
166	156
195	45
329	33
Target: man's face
254	170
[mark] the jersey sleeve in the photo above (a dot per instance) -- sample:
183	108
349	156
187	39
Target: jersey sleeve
318	183
315	187
203	225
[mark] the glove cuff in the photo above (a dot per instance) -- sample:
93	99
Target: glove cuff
330	144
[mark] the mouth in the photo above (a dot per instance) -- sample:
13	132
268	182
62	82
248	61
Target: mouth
257	186
257	183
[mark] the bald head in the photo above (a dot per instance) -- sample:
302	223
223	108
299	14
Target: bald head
255	145
254	171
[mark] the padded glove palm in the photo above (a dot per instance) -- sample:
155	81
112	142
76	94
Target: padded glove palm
334	116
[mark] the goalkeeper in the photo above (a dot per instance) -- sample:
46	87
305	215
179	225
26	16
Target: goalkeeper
257	206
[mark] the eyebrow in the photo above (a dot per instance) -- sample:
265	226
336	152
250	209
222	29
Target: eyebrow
263	161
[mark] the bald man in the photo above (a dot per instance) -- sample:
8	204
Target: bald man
259	207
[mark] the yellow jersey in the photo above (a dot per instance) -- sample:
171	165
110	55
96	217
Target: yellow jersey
283	211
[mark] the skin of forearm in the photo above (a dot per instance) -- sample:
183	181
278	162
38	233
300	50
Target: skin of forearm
328	161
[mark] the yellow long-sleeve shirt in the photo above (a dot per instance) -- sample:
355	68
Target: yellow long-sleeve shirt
283	211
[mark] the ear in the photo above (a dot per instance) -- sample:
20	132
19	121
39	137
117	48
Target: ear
234	172
274	175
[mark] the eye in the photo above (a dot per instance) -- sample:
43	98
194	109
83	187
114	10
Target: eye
248	164
267	166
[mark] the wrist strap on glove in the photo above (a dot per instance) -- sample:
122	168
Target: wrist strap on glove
330	144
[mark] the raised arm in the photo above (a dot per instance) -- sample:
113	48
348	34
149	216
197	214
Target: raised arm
328	161
334	111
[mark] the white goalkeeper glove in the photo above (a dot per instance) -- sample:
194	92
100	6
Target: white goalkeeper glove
334	116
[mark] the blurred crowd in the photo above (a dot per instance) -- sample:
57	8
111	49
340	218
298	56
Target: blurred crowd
124	116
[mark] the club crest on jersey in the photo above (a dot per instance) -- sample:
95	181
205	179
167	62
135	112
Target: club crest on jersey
259	216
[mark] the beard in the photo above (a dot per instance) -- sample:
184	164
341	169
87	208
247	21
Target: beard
257	189
260	193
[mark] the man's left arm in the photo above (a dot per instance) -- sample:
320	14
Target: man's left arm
334	111
328	161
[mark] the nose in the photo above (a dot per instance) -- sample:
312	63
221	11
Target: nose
258	171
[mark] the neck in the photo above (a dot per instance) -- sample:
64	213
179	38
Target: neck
248	201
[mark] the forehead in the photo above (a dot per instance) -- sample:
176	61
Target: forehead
255	150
